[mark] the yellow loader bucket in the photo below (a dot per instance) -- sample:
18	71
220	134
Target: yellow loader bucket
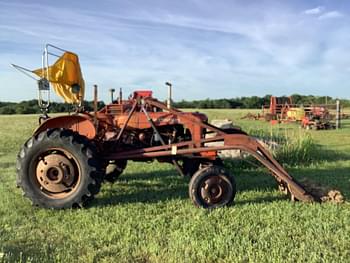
66	77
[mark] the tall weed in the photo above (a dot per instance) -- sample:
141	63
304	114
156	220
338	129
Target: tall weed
296	150
290	147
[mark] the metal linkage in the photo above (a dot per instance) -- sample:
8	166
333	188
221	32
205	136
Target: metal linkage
127	120
149	119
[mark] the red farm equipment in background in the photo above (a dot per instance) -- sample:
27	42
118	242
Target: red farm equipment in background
311	116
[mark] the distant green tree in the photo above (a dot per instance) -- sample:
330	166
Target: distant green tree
7	110
31	106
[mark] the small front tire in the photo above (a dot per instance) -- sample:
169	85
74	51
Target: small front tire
212	187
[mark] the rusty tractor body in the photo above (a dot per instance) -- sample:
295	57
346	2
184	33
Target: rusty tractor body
68	157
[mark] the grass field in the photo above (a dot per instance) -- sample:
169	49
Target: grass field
147	216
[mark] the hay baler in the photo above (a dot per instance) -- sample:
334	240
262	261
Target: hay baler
68	157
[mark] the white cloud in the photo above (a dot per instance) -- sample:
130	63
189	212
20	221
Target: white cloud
238	50
314	11
331	14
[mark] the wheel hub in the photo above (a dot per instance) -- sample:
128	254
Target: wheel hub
55	173
215	190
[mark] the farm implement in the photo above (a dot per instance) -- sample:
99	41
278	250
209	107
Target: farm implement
311	116
68	157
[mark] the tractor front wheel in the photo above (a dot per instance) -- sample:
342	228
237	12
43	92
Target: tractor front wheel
114	169
212	187
58	168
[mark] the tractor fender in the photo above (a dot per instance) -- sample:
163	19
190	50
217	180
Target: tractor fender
78	123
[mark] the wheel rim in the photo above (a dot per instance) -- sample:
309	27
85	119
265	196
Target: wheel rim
57	173
216	190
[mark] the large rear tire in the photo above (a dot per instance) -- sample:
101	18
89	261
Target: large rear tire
57	169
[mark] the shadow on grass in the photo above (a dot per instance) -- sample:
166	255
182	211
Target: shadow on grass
166	185
144	187
324	154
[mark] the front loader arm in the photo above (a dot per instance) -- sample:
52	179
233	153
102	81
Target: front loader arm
254	148
241	142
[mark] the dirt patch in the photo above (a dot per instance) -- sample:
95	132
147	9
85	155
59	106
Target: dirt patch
323	193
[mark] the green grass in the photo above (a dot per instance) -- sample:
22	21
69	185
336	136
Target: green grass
147	216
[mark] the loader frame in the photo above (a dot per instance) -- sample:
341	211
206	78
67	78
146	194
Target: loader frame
196	149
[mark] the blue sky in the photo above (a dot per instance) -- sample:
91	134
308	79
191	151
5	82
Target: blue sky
206	48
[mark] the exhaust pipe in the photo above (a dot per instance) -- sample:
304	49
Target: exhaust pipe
169	94
95	105
112	94
120	95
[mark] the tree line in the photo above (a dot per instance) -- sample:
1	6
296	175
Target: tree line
31	107
253	102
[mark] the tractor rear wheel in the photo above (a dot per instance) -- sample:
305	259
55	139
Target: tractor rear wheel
58	168
212	187
114	169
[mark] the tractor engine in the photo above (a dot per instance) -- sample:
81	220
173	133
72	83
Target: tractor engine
147	137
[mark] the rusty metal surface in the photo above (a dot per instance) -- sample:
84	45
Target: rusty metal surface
81	123
56	174
216	189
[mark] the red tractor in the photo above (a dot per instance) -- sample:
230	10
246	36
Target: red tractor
317	117
68	157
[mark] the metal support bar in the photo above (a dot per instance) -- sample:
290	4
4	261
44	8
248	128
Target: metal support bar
95	105
178	145
25	71
127	120
337	119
